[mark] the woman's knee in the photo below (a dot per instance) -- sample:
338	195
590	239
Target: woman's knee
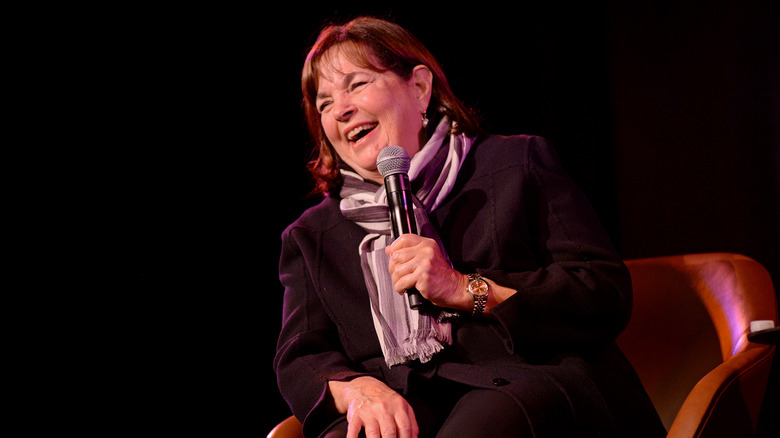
486	412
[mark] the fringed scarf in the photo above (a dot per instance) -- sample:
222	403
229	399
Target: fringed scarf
405	334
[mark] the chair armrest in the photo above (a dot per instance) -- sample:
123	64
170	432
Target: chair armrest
728	399
289	428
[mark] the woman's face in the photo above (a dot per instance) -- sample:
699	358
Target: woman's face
363	111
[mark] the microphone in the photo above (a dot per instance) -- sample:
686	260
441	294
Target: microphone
393	164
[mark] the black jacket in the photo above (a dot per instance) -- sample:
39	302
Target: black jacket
515	217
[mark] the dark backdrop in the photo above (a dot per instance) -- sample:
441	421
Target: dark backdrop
665	113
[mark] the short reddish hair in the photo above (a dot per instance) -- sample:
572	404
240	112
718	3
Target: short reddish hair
381	46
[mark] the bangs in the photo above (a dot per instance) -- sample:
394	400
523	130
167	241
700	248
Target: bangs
322	60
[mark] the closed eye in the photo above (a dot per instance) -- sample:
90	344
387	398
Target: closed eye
355	85
323	106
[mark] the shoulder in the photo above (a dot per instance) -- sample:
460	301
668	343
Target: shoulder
318	218
323	224
496	153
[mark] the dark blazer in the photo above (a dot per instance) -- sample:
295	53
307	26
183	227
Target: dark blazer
515	217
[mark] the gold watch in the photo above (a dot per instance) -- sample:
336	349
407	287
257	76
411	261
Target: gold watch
478	288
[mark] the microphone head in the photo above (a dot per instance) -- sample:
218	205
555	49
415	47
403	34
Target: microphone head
392	160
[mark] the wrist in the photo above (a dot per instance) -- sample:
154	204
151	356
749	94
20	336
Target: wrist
479	289
466	302
338	391
345	392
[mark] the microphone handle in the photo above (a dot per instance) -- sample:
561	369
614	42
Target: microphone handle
415	299
399	199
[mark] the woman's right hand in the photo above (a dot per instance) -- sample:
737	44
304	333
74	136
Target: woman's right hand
372	405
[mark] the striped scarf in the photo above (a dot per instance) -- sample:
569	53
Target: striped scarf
405	334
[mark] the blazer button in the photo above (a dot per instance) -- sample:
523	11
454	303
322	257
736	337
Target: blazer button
498	381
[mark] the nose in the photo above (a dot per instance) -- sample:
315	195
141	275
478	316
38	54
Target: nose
344	110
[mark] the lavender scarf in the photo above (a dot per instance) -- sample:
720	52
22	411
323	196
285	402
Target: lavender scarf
404	334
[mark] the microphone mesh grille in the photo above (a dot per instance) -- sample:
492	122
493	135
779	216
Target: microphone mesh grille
391	160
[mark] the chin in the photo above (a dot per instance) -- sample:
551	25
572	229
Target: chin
368	156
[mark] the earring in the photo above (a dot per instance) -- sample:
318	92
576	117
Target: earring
425	120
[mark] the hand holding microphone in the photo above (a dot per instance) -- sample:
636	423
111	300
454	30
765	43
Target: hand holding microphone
393	164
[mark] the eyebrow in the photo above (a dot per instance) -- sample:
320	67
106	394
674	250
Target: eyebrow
344	82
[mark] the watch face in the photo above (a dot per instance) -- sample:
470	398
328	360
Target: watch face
478	287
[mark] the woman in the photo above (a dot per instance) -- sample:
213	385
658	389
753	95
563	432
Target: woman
525	293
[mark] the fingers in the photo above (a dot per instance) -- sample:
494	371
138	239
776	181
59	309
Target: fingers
381	421
418	262
408	428
410	273
354	427
411	257
373	406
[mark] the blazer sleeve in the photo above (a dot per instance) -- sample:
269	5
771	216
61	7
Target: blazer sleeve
308	352
581	292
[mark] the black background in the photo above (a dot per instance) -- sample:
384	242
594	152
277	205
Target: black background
187	154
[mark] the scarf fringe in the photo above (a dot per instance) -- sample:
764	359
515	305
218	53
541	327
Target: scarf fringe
404	334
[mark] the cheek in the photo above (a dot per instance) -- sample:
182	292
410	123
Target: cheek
330	128
408	125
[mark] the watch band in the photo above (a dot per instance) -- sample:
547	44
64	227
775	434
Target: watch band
478	288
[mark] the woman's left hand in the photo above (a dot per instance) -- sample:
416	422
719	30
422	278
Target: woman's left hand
417	262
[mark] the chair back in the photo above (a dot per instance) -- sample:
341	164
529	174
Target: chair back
691	314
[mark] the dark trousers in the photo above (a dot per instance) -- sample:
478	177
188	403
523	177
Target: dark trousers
446	409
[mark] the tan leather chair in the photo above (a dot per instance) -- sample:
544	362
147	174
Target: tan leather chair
289	428
688	341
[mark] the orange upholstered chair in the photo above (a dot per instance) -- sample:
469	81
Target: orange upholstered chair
289	428
687	340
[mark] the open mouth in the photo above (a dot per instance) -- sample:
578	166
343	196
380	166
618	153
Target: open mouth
357	134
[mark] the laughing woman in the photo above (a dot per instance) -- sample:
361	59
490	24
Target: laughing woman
525	294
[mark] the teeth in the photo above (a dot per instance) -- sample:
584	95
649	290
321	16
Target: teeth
353	134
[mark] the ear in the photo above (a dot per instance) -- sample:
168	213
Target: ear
422	80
